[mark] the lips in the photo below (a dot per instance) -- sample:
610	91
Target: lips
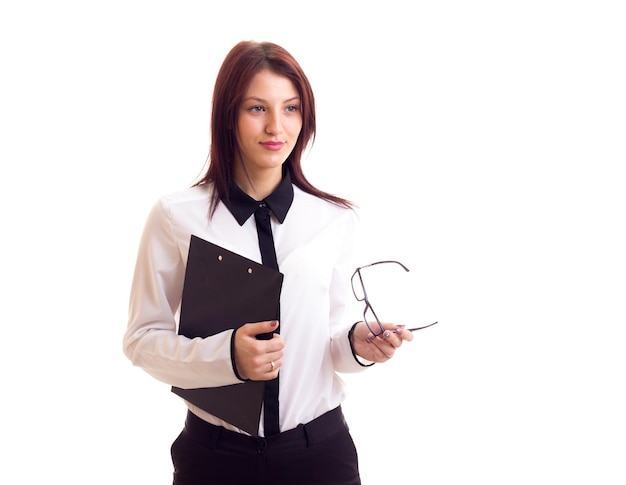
273	145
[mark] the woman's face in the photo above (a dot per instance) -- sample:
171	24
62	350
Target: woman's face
268	123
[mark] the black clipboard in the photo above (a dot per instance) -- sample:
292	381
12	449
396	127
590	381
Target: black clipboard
224	290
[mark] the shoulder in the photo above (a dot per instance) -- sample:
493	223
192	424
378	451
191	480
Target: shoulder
192	195
181	207
312	202
186	200
320	211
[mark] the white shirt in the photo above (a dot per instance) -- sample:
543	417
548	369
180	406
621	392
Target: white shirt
314	252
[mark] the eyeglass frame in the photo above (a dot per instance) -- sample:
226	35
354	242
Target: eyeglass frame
368	305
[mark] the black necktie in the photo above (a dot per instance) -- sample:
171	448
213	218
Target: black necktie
268	255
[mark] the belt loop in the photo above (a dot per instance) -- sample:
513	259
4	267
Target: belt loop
308	435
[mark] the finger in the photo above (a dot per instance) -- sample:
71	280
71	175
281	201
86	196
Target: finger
275	346
404	334
266	370
273	366
386	344
399	330
381	350
275	357
257	328
265	361
392	338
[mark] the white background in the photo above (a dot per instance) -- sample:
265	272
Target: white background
484	143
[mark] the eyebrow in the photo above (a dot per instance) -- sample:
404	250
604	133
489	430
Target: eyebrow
255	98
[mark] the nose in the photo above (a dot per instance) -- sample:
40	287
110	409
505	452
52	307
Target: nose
274	125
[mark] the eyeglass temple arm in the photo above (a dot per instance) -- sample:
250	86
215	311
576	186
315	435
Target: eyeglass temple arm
419	328
382	262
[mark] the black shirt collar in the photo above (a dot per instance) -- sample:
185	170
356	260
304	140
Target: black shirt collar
242	206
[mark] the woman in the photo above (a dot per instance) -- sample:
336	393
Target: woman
263	118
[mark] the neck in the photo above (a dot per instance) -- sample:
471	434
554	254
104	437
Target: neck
258	184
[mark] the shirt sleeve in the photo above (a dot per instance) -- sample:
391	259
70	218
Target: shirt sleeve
343	308
151	341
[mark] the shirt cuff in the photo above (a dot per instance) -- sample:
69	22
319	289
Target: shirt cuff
361	361
232	356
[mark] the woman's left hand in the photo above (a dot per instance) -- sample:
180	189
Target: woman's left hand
382	347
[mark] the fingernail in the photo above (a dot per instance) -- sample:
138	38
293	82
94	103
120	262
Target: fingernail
274	323
387	334
398	331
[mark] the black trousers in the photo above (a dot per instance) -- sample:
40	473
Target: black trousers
321	452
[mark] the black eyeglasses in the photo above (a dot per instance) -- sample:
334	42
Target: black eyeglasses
361	295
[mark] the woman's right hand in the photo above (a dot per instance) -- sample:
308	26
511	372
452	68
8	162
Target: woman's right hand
258	359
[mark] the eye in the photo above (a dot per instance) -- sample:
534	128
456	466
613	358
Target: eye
256	109
293	108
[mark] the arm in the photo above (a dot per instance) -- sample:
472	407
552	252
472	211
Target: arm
151	340
365	349
343	306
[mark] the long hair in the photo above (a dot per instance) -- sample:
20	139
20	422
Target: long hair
243	62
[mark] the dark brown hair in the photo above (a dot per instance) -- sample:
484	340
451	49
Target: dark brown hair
243	62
